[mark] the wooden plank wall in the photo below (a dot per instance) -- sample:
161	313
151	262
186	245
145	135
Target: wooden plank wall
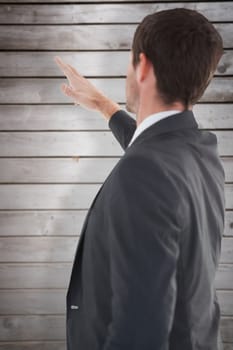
54	156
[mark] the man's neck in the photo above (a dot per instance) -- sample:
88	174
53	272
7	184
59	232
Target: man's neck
146	111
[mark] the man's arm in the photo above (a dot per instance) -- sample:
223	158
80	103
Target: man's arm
122	126
120	122
84	93
143	236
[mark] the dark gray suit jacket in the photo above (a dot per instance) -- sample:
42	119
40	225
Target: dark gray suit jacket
144	269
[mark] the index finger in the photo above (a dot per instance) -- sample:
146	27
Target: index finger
64	67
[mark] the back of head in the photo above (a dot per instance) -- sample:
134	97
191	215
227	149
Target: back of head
184	48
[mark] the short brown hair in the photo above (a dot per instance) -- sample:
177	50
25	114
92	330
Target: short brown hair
184	48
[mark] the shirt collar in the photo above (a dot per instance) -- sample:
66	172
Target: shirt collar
151	119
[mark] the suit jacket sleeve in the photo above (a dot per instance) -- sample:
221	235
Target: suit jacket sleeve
122	126
144	233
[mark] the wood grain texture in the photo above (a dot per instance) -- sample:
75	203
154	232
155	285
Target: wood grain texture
44	90
69	117
105	13
87	63
79	143
38	345
61	196
69	170
81	37
42	223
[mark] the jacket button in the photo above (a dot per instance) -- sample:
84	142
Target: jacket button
74	307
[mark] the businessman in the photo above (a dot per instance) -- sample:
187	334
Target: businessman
144	269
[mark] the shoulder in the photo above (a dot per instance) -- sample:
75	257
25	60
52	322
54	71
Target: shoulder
144	188
140	174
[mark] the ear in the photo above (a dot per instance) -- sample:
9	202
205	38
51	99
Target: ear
142	68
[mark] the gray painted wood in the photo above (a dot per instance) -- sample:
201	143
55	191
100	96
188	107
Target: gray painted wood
35	90
88	63
68	170
77	37
42	223
38	345
76	144
71	117
50	196
61	196
104	13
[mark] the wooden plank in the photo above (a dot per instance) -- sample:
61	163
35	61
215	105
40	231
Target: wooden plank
224	277
64	196
56	275
62	249
88	63
81	37
74	144
50	327
227	329
41	223
38	345
227	250
32	301
228	223
53	301
67	170
105	13
32	90
224	142
70	117
38	327
41	275
47	196
60	170
66	222
228	346
213	116
80	143
228	168
38	249
35	90
225	299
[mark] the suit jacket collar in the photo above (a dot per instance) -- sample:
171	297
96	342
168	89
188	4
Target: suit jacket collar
179	121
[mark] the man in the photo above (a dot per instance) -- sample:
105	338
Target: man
144	270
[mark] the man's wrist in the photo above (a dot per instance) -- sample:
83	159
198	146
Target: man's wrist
107	107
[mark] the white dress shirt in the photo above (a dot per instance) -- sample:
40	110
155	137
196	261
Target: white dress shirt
151	119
